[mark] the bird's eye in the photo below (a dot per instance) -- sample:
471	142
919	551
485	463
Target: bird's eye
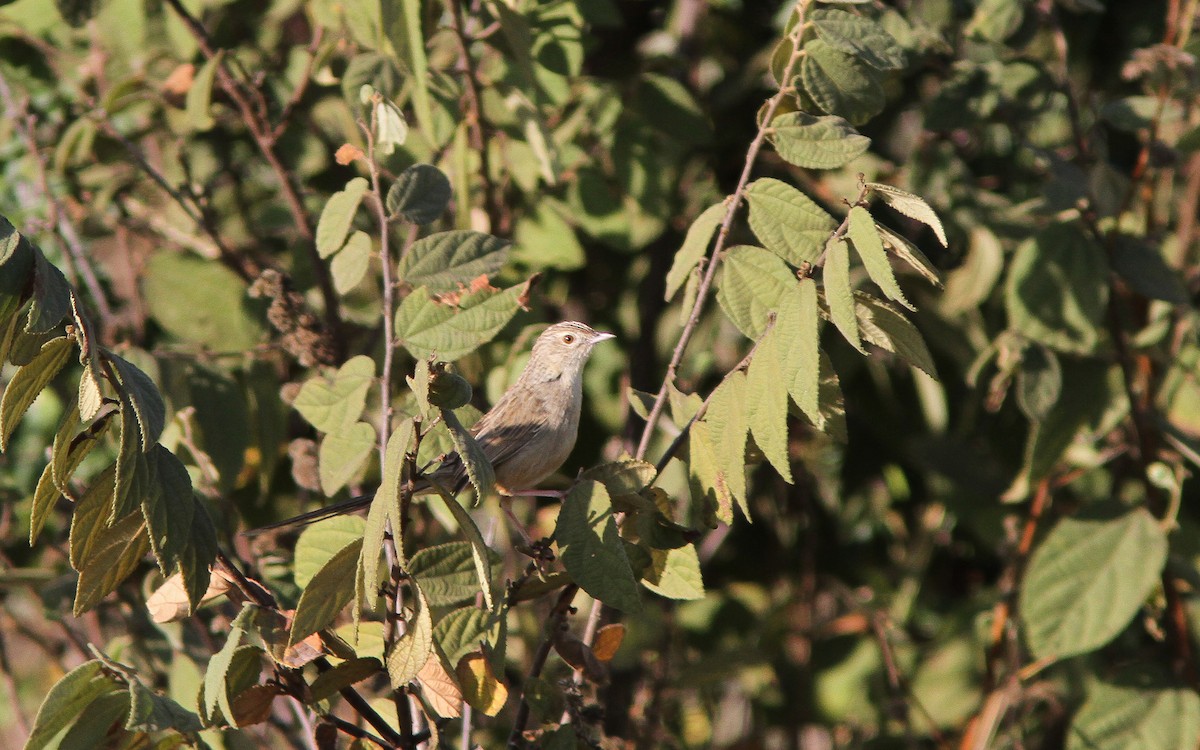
568	339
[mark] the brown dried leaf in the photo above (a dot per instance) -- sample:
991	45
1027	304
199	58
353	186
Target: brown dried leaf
608	640
440	690
179	81
347	153
169	602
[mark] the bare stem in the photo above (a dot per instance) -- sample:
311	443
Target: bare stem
556	620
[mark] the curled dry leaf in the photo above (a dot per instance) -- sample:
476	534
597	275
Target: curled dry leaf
179	81
169	602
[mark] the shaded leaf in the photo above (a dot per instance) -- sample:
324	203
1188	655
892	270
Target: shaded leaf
449	574
1143	268
199	94
886	327
326	594
1087	580
343	453
728	420
350	265
910	254
143	396
591	548
420	194
110	560
65	701
467	629
201	302
51	297
1057	289
343	675
839	83
1136	717
480	553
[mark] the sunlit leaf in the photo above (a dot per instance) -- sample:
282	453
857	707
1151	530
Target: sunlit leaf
816	142
787	222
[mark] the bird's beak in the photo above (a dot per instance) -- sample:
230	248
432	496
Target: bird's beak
601	336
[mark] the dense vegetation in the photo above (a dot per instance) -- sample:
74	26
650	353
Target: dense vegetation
892	448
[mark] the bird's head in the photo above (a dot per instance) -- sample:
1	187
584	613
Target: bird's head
563	348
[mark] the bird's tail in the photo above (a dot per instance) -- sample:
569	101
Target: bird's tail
320	514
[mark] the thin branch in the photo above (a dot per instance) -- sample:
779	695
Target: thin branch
298	93
474	118
263	135
733	202
25	123
555	622
356	731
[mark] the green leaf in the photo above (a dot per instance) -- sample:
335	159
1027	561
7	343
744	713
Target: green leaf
100	723
1057	289
816	142
65	701
971	283
89	521
350	265
728	423
342	454
858	36
694	247
886	327
995	20
675	573
143	396
91	397
479	468
1143	268
751	283
869	246
151	712
705	476
462	631
912	206
319	542
201	302
51	297
910	254
197	557
838	293
1136	717
132	471
787	222
1039	382
326	594
331	405
798	324
338	215
386	512
426	326
592	550
840	84
449	261
420	194
17	258
169	511
543	238
329	683
199	95
413	649
480	553
448	572
623	477
1088	579
112	558
216	678
767	401
29	381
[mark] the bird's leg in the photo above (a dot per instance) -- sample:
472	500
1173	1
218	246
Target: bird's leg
516	522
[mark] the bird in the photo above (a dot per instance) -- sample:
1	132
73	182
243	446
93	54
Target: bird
527	435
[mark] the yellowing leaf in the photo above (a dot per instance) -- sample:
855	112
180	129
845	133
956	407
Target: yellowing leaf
480	686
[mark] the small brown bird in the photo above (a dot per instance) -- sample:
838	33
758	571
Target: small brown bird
530	431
